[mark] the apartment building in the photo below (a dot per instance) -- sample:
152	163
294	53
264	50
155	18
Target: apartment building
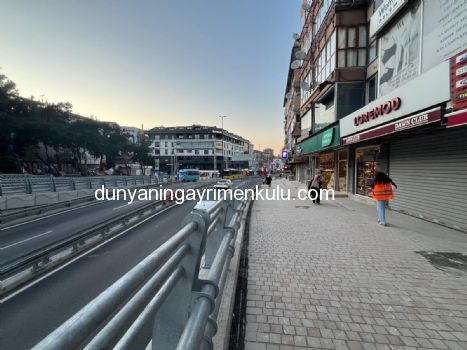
383	87
413	125
334	56
198	147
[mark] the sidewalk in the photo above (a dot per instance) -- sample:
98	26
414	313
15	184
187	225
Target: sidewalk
329	277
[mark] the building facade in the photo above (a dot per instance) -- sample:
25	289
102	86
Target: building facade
198	147
134	134
334	56
383	87
415	129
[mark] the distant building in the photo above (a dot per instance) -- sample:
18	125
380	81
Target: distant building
198	147
134	133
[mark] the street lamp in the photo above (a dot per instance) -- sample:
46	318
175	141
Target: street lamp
222	124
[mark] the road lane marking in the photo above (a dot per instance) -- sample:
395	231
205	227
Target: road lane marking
25	240
80	256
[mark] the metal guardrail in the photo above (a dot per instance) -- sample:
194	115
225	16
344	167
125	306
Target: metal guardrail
28	266
171	298
20	184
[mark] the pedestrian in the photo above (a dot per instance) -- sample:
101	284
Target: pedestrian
314	188
382	192
268	180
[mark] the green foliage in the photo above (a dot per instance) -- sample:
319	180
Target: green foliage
41	132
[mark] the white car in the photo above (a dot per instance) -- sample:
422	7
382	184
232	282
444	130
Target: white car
223	184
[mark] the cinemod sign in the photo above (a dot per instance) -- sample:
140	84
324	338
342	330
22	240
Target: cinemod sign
384	108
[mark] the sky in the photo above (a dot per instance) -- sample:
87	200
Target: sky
156	62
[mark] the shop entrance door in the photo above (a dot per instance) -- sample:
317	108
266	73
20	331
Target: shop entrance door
342	171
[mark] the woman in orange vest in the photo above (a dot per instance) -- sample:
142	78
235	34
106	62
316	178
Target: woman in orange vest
382	192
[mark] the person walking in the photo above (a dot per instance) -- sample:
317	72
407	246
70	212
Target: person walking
315	186
382	192
268	180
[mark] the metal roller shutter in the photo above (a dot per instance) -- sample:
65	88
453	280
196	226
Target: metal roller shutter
431	174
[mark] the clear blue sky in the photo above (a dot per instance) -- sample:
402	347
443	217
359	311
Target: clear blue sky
158	62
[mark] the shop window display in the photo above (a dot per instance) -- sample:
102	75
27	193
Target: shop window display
366	166
326	165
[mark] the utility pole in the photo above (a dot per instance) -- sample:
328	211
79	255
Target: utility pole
222	124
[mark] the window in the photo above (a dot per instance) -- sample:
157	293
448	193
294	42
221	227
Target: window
326	61
166	152
323	10
305	123
166	144
324	112
352	46
206	151
373	51
372	88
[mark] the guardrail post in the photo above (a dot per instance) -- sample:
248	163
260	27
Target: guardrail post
27	186
216	235
73	184
90	183
173	314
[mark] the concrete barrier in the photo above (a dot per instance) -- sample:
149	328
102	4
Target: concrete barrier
46	198
67	195
20	201
85	192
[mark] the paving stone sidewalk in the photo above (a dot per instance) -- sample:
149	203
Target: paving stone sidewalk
329	277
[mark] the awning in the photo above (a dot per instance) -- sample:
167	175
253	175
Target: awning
413	121
457	118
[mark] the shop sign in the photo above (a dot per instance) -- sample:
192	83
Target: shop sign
326	138
429	89
461	71
384	108
459	80
284	154
457	118
413	121
383	14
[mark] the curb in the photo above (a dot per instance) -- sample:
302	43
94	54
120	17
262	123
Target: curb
221	340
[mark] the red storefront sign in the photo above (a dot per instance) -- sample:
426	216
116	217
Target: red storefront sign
458	80
457	118
413	121
385	108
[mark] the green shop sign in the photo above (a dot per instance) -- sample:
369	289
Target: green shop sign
327	138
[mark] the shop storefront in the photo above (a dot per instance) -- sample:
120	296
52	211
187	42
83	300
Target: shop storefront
406	135
326	157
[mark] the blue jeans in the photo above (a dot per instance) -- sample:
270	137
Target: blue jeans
380	209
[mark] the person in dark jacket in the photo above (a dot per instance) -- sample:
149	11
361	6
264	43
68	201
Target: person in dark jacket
268	180
315	186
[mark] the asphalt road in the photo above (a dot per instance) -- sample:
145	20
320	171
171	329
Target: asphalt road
29	316
21	239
